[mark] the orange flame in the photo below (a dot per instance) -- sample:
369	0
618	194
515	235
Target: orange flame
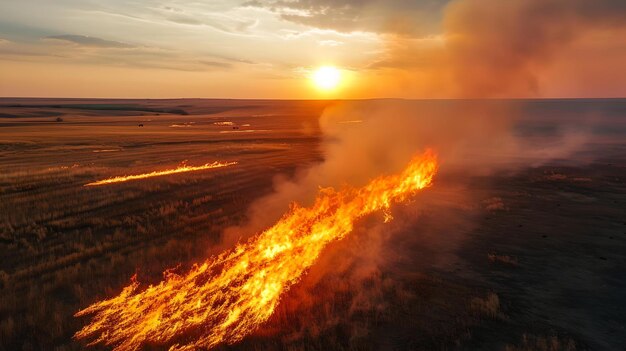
180	169
227	297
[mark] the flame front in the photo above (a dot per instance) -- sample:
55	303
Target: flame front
179	169
227	297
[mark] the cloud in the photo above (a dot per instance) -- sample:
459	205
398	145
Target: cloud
88	41
96	51
184	19
330	42
216	64
471	48
197	16
400	48
395	16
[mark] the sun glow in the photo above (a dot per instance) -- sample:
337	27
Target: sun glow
326	78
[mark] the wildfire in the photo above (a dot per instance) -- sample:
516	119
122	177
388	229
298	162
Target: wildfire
227	297
179	169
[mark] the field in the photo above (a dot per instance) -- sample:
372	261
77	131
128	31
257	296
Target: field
526	254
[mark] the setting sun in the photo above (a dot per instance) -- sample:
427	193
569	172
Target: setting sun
312	174
326	77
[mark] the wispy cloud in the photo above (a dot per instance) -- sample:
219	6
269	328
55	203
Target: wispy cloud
84	40
215	64
330	42
408	17
80	49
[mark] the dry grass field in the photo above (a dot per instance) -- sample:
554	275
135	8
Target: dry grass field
526	260
64	245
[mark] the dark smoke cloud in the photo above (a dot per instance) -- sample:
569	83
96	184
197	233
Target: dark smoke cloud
491	48
498	47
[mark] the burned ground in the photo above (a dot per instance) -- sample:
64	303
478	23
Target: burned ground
531	259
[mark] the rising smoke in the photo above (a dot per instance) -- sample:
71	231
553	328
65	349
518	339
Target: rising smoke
488	48
514	48
364	139
498	47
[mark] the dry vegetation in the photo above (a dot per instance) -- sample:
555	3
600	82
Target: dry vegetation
64	245
67	245
502	259
489	306
451	286
540	343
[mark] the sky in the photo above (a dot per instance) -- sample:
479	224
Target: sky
270	48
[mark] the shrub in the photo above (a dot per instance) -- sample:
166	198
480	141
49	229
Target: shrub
488	306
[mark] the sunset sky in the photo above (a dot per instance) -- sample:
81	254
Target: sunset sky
270	48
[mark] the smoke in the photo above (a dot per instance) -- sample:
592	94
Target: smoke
488	48
497	46
365	139
520	48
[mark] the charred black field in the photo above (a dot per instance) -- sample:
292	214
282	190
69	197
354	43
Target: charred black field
519	244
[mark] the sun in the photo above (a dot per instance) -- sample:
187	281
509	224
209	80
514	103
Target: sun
326	78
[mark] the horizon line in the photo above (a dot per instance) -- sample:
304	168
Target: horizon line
321	99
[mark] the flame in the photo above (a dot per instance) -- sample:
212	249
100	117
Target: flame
227	297
179	169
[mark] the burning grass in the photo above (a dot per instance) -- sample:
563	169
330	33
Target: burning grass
181	169
243	131
229	296
106	150
65	248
